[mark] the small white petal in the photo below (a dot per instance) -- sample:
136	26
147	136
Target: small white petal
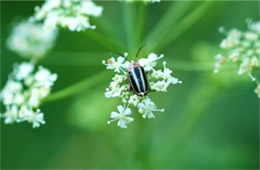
120	108
114	115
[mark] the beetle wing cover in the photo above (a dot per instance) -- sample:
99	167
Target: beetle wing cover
138	80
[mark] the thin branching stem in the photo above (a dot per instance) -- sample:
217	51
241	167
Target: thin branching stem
167	22
79	87
94	60
106	41
169	35
141	24
129	16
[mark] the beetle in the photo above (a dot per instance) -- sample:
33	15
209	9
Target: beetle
138	82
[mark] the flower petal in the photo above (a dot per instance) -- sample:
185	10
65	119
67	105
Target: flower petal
120	108
114	115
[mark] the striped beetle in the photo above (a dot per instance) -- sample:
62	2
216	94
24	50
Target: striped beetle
137	77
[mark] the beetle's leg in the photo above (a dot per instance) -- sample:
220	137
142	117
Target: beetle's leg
130	87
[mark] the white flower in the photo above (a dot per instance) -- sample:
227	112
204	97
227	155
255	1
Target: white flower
23	70
72	14
7	95
234	57
251	36
160	86
243	49
115	88
245	66
118	78
116	65
255	61
167	79
153	1
114	92
31	40
257	90
90	8
24	92
121	116
232	39
220	60
44	77
24	113
145	1
173	80
147	107
255	26
134	100
149	63
165	74
33	101
11	114
36	118
18	99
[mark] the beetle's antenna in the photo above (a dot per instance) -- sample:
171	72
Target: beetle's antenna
114	52
139	51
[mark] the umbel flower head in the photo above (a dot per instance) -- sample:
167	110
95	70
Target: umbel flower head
72	14
31	40
145	1
159	81
23	93
241	48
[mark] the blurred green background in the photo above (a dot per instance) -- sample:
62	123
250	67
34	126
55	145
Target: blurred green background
211	121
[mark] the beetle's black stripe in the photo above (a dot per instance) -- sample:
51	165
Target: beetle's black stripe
133	82
138	90
142	79
146	83
139	78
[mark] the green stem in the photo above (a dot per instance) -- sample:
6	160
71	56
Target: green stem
182	26
141	24
178	65
78	87
94	59
168	21
128	16
62	58
106	41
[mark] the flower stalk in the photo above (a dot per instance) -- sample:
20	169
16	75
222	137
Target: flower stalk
78	87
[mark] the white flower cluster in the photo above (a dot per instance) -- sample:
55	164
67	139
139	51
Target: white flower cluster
159	80
146	1
23	92
153	1
31	40
73	14
243	48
